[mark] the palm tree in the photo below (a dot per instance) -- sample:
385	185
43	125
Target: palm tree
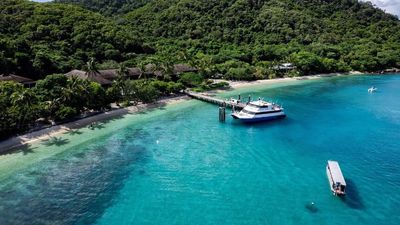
204	65
123	71
153	67
74	92
187	57
91	68
25	100
121	80
142	69
167	69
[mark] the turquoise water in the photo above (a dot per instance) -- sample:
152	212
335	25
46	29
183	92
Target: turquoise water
179	165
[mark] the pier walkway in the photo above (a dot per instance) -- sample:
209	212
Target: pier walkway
226	103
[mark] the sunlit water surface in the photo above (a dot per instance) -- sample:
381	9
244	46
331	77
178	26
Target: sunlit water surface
179	165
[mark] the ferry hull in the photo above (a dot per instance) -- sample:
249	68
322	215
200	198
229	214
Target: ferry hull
259	119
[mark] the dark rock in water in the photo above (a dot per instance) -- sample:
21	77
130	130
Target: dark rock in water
311	207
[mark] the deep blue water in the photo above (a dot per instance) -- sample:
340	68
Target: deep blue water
181	166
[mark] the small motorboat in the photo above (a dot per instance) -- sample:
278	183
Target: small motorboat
335	177
372	89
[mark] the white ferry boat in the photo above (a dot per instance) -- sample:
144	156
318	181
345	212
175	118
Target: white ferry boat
336	179
259	111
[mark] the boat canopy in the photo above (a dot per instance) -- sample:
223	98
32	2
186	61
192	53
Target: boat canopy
260	103
336	173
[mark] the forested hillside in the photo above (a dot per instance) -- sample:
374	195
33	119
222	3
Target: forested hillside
108	7
40	39
237	39
325	35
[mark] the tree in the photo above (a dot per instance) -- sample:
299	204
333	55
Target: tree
142	70
167	69
91	68
96	97
191	79
9	114
75	93
141	91
307	62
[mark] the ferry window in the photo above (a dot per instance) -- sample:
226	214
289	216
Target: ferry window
250	113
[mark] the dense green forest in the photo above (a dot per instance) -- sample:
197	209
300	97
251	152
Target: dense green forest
236	39
108	7
40	39
318	36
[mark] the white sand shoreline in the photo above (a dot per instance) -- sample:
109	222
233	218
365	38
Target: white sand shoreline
241	84
46	133
29	138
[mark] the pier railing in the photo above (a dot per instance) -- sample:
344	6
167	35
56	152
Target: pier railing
234	103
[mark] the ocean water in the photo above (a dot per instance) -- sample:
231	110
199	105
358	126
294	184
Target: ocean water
179	165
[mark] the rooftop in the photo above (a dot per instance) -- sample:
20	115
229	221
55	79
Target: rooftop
16	78
94	77
106	76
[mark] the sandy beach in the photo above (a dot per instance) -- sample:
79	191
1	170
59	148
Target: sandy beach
241	84
18	141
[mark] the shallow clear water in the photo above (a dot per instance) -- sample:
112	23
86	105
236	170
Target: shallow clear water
179	165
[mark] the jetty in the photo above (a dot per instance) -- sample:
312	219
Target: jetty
232	103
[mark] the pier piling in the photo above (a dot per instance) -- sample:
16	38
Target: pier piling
222	114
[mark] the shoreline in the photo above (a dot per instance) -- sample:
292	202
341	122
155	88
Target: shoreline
13	143
241	84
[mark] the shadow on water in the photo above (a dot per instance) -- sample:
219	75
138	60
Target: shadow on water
100	124
352	198
95	125
74	132
57	141
106	121
25	150
311	207
281	121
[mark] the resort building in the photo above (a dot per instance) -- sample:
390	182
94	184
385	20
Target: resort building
285	66
105	77
27	82
95	77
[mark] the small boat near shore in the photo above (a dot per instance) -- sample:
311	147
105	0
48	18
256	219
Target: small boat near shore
372	89
335	177
259	110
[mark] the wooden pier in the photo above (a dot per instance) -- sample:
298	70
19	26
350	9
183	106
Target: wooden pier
224	103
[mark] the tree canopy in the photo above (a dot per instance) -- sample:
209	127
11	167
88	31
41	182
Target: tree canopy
107	7
39	39
229	38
